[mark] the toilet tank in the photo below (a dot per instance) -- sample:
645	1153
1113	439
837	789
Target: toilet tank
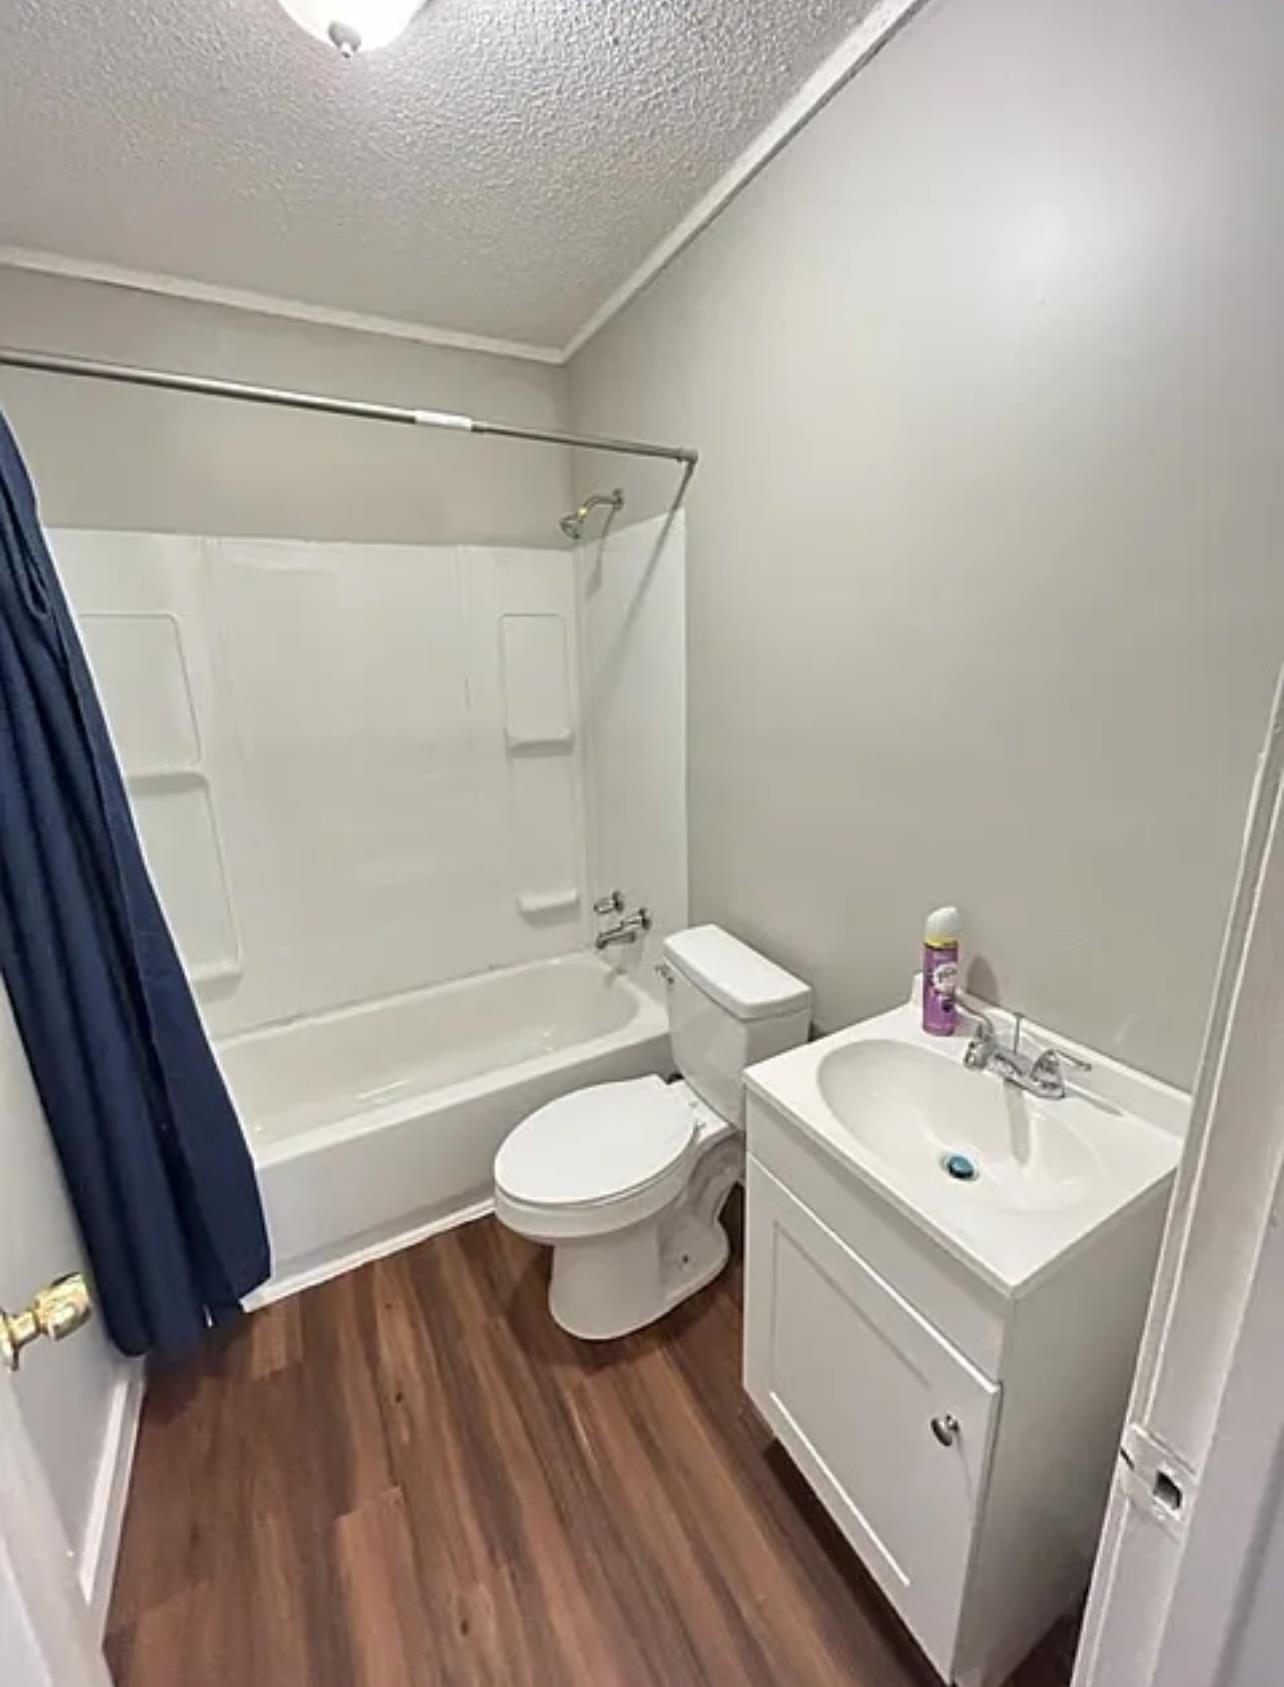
729	1007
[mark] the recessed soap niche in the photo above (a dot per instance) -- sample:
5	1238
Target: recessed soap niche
138	660
541	741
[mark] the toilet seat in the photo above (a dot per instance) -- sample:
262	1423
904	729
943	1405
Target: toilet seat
600	1158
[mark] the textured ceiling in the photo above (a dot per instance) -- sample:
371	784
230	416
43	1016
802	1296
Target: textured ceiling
499	171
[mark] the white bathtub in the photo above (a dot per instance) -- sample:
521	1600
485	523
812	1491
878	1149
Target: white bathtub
374	1126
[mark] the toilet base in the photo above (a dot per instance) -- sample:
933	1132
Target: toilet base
610	1285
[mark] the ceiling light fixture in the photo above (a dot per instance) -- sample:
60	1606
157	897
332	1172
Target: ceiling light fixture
353	26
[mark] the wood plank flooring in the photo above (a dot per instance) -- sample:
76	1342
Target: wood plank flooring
410	1477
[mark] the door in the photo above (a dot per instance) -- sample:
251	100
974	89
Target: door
47	1636
890	1423
1182	1591
79	1401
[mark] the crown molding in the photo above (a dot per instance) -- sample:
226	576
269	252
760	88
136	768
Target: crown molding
268	304
876	28
884	19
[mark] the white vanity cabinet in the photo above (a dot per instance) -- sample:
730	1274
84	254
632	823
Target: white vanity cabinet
962	1437
887	1419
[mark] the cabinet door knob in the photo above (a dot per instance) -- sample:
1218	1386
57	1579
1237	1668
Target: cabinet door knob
946	1429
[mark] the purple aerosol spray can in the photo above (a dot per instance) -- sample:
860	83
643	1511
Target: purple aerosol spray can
941	972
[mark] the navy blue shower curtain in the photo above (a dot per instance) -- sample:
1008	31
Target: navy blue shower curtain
150	1147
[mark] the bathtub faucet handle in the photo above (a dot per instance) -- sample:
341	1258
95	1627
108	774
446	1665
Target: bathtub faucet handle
611	903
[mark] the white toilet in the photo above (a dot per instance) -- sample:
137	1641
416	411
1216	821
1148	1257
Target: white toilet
626	1181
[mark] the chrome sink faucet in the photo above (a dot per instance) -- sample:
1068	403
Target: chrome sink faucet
627	929
1044	1075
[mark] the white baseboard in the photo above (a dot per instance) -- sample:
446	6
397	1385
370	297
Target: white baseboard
363	1251
100	1544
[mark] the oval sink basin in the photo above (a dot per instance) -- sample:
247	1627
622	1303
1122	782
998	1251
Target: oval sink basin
916	1111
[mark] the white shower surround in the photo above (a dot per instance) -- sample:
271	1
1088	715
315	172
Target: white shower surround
377	815
357	769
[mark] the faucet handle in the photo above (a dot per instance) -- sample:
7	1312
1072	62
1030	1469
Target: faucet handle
611	903
1051	1059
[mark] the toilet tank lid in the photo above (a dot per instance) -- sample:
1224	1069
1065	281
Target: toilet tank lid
737	977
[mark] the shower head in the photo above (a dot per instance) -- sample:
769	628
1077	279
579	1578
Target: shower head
573	525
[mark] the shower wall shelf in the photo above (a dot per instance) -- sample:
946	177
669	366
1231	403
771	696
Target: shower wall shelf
539	743
208	974
165	778
548	904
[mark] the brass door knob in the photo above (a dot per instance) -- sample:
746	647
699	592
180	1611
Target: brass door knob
55	1312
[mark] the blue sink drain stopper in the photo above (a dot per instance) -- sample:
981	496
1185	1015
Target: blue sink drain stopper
961	1167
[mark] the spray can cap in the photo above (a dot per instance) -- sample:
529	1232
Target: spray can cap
942	928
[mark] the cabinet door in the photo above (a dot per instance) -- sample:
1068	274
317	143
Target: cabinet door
889	1423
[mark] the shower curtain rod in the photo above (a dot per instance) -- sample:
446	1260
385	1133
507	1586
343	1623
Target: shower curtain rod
54	363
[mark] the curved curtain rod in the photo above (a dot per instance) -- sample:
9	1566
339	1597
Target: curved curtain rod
54	363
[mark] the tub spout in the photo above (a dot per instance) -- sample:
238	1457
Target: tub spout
627	930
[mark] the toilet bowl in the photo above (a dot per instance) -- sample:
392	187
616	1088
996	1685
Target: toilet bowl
626	1181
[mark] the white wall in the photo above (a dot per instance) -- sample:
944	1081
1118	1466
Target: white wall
116	457
985	592
633	643
357	769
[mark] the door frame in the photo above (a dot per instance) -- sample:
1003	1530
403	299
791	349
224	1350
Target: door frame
1242	1486
1172	1588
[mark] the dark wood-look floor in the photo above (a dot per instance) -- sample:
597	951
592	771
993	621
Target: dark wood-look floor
411	1478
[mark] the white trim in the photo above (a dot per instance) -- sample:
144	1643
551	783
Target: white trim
1204	1412
100	1544
878	25
297	1279
268	304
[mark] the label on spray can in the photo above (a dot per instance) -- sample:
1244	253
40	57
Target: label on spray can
941	972
940	988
